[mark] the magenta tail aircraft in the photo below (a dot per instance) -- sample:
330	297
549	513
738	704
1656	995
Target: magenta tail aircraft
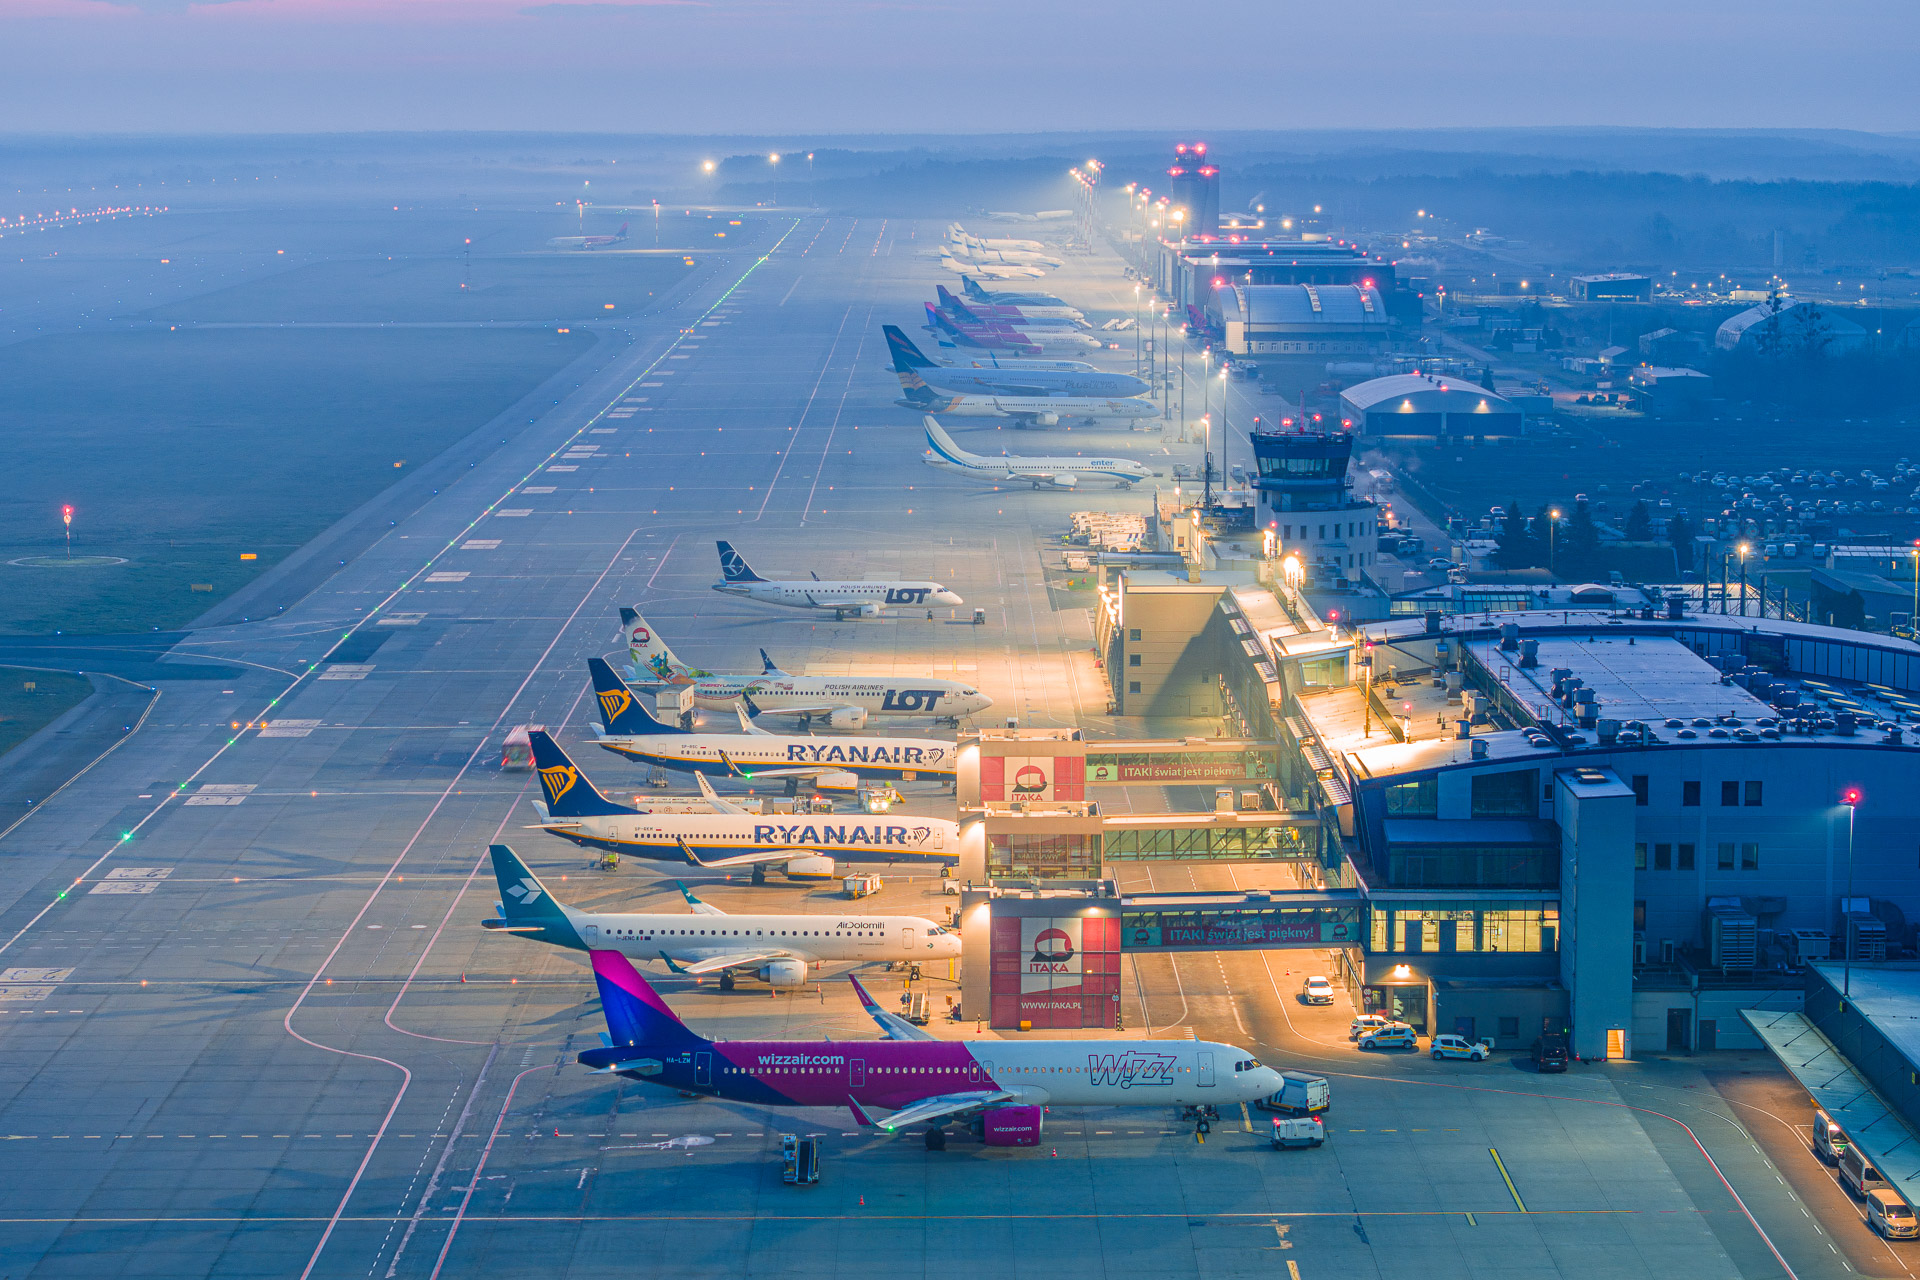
1003	1087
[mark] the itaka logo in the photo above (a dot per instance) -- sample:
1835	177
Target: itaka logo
642	636
558	780
1029	781
615	703
1052	946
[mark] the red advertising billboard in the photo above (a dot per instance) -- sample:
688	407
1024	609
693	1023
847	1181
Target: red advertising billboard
1055	971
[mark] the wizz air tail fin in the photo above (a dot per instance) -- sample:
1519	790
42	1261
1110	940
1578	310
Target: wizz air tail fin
734	566
622	233
636	1015
569	794
620	711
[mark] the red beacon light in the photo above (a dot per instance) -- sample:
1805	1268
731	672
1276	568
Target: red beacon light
1850	797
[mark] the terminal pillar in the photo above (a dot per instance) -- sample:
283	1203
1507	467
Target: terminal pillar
1595	810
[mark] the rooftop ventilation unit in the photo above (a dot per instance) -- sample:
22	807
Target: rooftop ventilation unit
1732	936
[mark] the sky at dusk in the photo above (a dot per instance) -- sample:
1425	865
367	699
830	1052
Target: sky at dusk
696	66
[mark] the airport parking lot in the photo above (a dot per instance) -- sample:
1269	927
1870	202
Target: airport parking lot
259	1027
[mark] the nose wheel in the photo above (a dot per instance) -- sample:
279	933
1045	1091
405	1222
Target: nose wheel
936	1139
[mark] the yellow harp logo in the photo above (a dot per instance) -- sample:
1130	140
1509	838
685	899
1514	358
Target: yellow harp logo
558	780
614	702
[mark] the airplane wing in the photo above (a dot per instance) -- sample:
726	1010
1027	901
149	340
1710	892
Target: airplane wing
819	603
727	960
798	771
719	805
812	709
699	908
742	859
946	1104
895	1026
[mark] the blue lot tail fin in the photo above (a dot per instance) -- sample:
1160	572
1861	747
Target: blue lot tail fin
620	711
734	566
973	289
768	666
569	794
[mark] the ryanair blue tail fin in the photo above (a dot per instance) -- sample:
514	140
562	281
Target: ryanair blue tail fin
569	794
734	566
620	711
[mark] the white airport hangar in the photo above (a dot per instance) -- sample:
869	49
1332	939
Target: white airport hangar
1303	319
1428	405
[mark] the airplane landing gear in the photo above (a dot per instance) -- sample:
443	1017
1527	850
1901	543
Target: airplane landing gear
793	786
759	874
726	981
936	1139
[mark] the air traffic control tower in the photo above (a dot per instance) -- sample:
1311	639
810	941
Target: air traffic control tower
1306	506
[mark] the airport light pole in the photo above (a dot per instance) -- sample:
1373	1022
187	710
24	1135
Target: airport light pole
1136	330
773	161
1852	801
1226	440
1553	523
810	203
1743	579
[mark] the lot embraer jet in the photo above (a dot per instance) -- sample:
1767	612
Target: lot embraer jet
1064	379
862	599
1041	473
957	234
729	837
589	242
755	754
1003	1086
1009	297
778	949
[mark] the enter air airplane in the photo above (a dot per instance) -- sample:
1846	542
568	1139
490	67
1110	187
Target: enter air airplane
1042	473
730	836
862	599
779	949
1003	1087
753	753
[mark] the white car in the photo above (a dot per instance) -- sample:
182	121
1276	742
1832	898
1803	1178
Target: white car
1364	1023
1316	990
1395	1035
1461	1047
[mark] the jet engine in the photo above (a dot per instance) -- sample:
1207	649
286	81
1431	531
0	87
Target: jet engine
847	718
868	611
1046	419
784	973
1059	480
810	867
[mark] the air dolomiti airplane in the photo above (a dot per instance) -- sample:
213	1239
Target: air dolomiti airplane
991	270
753	753
779	949
1041	473
1003	1086
844	702
730	836
862	599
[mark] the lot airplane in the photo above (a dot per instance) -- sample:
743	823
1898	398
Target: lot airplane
626	729
1045	215
729	837
991	270
1013	298
1041	473
589	242
779	949
995	379
1003	1086
957	234
844	702
861	598
1014	257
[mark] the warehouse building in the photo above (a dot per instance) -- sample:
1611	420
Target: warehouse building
1428	405
1784	327
1303	319
1613	286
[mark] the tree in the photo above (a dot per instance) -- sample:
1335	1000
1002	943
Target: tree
1639	523
1680	534
1518	550
1579	548
1486	379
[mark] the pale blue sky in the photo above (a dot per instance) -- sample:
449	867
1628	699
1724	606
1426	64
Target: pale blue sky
987	66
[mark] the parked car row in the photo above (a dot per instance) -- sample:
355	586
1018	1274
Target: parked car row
1372	1032
1887	1214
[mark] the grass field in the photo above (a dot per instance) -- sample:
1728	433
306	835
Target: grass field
24	712
557	286
182	450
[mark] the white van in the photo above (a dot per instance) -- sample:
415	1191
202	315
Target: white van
1891	1216
1829	1139
1856	1174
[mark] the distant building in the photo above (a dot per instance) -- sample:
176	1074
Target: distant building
1303	319
1614	286
1671	347
1196	188
1795	327
1672	393
1428	405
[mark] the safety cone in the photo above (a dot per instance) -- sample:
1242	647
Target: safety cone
863	1202
1054	1152
463	979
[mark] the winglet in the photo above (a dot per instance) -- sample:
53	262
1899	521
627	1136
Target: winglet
861	1116
668	961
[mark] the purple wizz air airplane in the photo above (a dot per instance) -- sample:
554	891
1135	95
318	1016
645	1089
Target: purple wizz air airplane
1003	1087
